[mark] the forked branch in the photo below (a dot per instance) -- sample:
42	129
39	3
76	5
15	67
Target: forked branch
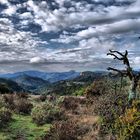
122	57
133	76
122	72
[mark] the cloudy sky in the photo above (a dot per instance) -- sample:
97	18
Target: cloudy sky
63	35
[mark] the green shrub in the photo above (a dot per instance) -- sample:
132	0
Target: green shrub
5	116
22	106
98	88
127	126
22	95
45	113
79	92
63	130
9	101
2	102
109	107
4	89
70	103
42	98
18	103
59	100
109	99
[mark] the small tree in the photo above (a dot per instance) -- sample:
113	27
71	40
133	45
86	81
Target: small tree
4	89
133	76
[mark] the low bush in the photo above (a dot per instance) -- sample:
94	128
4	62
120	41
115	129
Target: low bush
109	99
4	89
42	98
5	116
99	87
22	106
17	103
79	92
2	102
109	107
9	101
70	103
45	113
22	95
127	126
63	130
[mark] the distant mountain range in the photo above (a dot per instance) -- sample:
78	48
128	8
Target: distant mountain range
50	77
32	84
38	82
69	86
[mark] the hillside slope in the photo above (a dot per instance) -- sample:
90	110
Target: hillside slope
32	84
51	77
9	86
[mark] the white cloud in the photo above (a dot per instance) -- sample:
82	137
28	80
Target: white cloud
26	15
61	2
10	10
93	46
86	33
4	2
120	27
15	44
55	20
136	60
37	60
87	50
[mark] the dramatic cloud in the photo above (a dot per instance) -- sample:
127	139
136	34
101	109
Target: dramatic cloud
16	45
67	34
79	13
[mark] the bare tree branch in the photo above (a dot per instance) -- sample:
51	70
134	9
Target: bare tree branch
122	72
111	51
124	57
115	56
134	77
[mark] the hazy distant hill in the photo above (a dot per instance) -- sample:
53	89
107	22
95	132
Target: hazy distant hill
36	81
32	84
59	83
9	86
51	77
88	76
69	86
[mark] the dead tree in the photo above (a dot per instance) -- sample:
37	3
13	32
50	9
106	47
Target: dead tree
127	72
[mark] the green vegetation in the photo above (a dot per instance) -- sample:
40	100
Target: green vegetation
5	116
117	117
4	88
79	92
23	127
9	86
16	121
127	126
45	113
98	110
65	130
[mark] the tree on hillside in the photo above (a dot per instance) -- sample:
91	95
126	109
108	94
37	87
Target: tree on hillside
127	72
4	89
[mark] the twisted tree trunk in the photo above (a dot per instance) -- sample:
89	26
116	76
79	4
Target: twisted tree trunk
134	78
133	90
